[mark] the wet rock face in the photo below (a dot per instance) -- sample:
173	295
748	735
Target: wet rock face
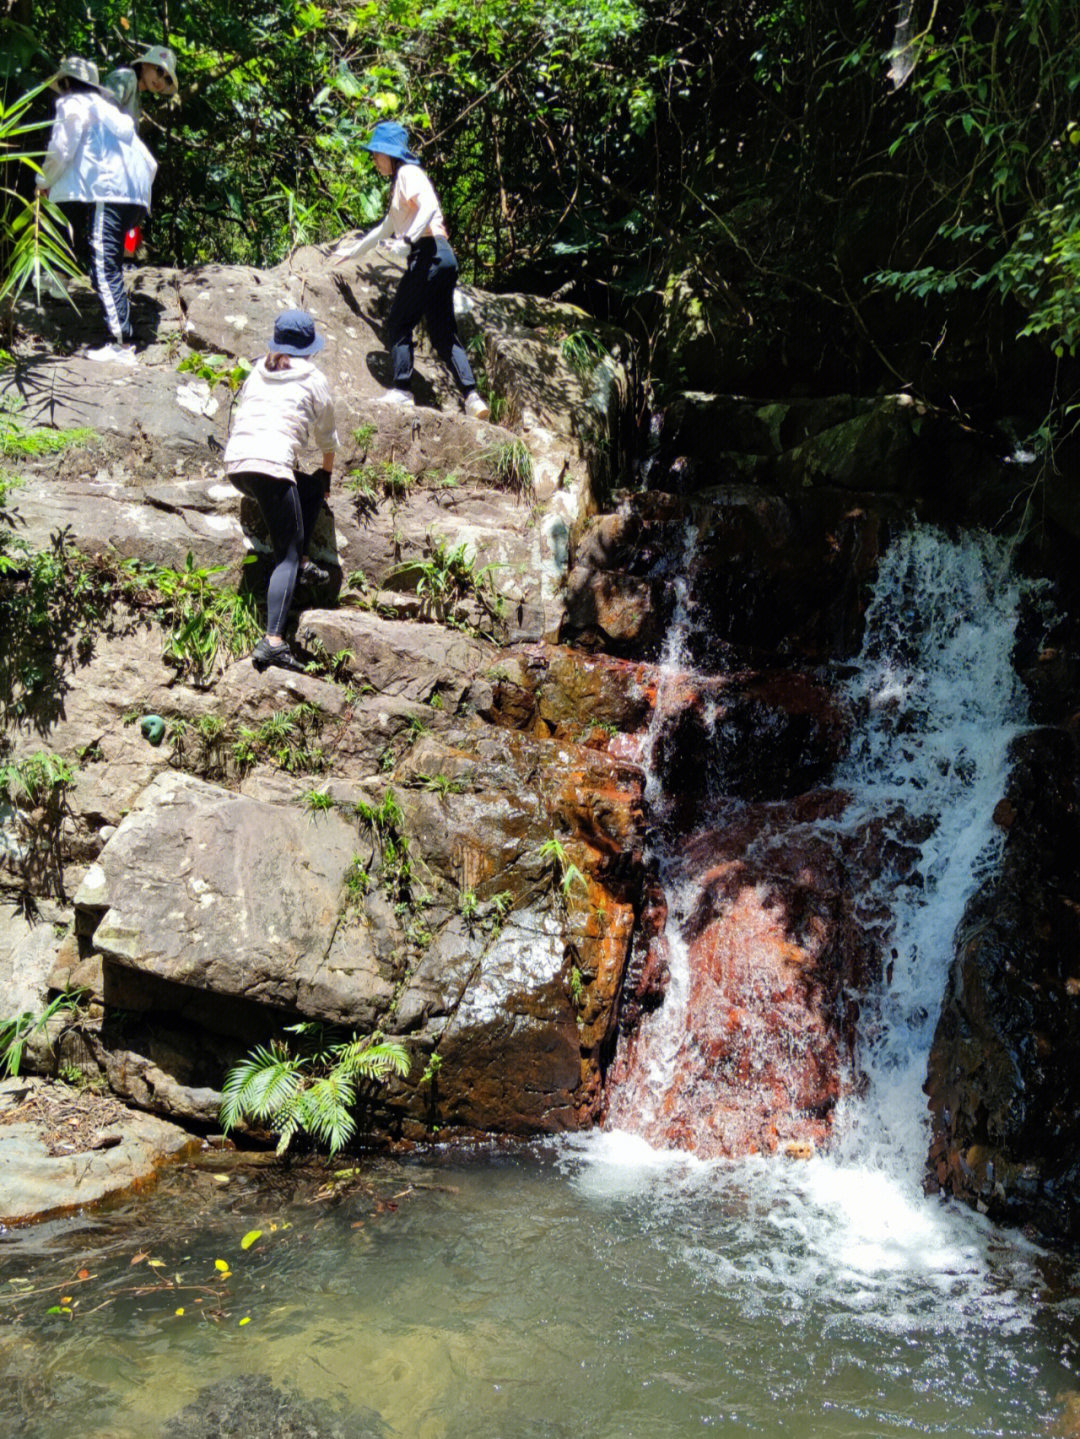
1004	1080
765	573
765	1035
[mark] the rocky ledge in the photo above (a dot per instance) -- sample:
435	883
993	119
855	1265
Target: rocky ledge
61	1149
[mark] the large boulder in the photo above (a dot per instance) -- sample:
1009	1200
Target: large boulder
215	891
148	485
1003	1078
478	902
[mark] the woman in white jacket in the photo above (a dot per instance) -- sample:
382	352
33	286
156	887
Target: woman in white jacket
285	403
100	174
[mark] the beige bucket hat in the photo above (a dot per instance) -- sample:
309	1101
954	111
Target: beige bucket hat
164	59
74	67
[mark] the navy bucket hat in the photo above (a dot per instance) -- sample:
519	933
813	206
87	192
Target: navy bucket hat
390	138
294	334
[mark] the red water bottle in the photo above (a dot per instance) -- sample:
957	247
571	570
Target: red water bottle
132	241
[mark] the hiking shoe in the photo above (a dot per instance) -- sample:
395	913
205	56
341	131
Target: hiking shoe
395	397
117	354
477	406
312	575
268	656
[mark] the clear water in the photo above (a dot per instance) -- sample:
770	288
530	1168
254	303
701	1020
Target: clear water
594	1288
597	1287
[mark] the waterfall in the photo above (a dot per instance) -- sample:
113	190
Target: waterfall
941	705
937	704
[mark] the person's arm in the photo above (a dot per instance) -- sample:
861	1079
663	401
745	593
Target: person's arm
123	84
63	142
357	248
324	430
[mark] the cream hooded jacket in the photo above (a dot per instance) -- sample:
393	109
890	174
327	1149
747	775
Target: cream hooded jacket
278	413
94	154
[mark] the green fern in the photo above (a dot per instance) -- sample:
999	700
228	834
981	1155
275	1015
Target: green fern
311	1093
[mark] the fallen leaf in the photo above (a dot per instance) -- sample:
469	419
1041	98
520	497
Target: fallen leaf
179	1311
250	1238
142	1254
83	1274
246	1320
155	1264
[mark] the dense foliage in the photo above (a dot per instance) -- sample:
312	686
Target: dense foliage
759	154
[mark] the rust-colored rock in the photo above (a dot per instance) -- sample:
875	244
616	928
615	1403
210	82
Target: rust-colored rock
763	1049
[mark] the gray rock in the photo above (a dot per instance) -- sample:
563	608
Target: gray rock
35	1184
210	889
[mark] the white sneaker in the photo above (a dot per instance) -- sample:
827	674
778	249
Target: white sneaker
395	397
118	354
477	406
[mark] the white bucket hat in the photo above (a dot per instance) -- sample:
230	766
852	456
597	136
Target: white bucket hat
164	59
74	67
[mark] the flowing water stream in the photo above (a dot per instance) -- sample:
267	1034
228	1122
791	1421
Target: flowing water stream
602	1285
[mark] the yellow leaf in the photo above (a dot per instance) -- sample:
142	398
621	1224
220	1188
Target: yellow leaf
222	1265
155	1264
246	1320
65	1299
250	1238
179	1311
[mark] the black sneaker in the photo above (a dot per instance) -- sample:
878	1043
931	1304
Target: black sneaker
267	656
312	575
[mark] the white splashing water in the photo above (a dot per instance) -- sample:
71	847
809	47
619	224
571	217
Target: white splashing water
639	1105
942	705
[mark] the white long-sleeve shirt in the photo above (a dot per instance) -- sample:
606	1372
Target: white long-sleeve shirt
277	413
414	211
95	154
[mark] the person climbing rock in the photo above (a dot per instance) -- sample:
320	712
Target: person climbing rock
153	73
285	403
414	225
100	174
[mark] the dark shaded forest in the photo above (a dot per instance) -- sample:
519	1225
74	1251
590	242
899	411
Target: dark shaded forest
783	197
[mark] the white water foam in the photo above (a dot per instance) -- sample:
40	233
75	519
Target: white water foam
941	705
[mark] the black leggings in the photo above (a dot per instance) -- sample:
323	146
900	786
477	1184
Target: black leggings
426	291
289	512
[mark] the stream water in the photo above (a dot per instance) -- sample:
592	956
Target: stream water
600	1285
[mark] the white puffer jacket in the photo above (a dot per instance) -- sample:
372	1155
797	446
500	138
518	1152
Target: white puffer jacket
95	154
278	413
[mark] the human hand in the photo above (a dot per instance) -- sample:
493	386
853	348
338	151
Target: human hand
324	477
397	247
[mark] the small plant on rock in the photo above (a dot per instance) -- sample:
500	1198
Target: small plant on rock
564	874
309	1085
512	467
16	1032
582	350
40	779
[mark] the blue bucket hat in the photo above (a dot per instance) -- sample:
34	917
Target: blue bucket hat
390	138
294	334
